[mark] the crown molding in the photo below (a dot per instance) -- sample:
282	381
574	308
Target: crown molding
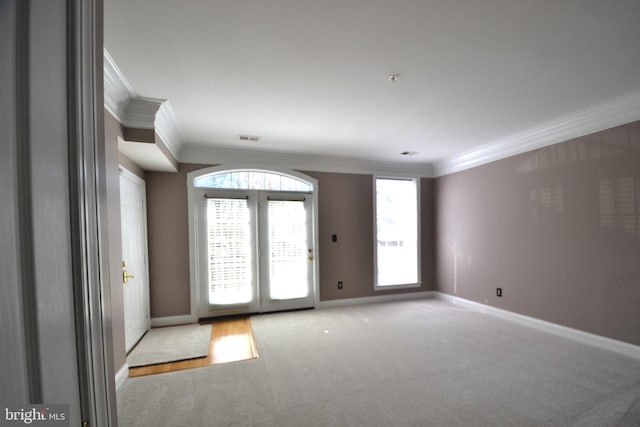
134	111
131	110
141	113
201	154
615	112
167	127
156	114
117	90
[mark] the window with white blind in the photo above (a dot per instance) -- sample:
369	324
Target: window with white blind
396	246
229	246
288	246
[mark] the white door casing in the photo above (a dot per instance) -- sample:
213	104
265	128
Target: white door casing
256	252
135	277
304	207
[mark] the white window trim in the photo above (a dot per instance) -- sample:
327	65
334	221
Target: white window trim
193	218
417	284
221	169
250	187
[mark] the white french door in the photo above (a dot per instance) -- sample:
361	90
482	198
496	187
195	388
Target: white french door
255	252
286	251
227	255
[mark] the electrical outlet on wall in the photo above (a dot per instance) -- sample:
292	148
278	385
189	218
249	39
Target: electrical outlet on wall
340	284
499	292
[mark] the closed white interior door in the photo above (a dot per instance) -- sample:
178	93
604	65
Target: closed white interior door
134	257
256	252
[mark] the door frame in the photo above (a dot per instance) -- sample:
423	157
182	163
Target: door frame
127	174
194	217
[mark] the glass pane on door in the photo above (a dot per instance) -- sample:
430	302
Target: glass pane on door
288	249
230	254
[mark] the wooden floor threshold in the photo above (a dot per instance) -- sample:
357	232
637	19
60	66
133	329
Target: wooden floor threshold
231	341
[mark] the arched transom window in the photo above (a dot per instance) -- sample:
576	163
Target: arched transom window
247	179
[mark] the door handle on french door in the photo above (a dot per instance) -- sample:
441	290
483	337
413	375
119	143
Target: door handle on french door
126	276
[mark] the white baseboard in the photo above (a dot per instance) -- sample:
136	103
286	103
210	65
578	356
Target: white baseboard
563	331
122	375
375	299
172	320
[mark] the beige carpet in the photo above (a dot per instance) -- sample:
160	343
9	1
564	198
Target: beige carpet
416	363
161	345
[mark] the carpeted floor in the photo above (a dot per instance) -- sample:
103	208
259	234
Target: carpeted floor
172	343
418	363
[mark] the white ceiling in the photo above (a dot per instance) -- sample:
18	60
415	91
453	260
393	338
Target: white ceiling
310	77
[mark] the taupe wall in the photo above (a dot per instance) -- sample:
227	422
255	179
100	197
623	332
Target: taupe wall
557	228
168	231
345	208
112	130
115	159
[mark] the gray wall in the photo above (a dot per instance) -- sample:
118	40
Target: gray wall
345	208
557	228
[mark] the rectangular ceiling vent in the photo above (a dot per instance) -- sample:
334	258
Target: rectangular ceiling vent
252	138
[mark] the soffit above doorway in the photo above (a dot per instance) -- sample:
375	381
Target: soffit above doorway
151	139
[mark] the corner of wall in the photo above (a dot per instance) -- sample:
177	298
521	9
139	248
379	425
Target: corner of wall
121	375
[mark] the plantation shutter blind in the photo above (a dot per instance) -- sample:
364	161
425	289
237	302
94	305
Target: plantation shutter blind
229	250
288	266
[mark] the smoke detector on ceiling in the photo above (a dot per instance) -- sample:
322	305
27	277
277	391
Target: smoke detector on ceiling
393	77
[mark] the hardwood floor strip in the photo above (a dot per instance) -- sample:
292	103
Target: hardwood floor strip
231	341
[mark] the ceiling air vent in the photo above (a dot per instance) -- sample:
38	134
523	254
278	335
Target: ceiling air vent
252	138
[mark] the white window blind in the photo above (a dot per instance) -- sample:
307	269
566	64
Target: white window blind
396	232
288	249
229	251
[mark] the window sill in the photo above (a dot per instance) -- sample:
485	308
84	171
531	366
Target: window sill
394	287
